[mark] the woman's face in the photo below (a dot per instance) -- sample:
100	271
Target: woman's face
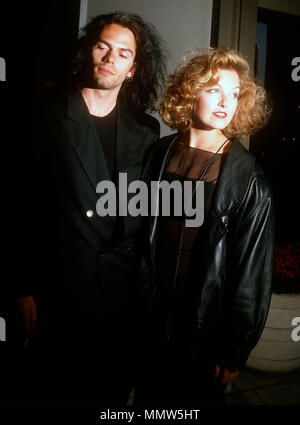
216	104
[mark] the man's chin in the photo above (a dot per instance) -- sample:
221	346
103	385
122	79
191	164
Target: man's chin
104	85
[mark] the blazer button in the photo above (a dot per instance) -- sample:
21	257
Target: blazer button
90	213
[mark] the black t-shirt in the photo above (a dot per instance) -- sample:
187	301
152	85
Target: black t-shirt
106	130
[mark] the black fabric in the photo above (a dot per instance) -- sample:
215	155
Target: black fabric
230	291
176	242
85	282
106	130
238	249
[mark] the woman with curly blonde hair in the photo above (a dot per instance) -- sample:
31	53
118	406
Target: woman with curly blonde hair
203	71
213	281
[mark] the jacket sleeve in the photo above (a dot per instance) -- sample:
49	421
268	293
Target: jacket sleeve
249	272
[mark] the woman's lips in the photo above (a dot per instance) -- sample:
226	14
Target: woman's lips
220	115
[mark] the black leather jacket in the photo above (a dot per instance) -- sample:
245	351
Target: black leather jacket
236	259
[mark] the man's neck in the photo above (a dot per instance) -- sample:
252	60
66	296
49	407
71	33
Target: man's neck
99	102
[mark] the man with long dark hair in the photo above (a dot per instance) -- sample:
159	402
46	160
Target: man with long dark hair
85	310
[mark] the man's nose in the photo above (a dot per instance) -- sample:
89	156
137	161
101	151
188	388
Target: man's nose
110	56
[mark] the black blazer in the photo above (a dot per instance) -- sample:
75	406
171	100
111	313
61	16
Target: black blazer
78	252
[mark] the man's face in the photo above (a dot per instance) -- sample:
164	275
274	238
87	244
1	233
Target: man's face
113	57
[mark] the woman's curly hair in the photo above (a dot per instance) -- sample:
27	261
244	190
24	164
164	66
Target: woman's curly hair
143	91
177	108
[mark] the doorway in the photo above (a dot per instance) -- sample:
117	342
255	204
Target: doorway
277	42
277	146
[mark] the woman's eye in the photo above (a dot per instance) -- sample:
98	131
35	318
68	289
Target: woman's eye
212	90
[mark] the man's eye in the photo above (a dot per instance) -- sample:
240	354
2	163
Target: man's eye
212	90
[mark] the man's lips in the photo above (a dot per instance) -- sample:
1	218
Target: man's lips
220	114
105	71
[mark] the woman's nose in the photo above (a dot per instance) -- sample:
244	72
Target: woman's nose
223	101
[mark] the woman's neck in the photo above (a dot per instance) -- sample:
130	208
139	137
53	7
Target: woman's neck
206	140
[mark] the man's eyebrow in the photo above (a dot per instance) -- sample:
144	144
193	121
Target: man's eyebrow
124	49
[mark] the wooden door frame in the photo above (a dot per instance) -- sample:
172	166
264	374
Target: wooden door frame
234	26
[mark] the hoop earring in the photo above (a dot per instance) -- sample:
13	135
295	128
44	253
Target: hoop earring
128	79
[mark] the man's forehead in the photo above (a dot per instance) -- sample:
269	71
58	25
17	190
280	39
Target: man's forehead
118	33
119	37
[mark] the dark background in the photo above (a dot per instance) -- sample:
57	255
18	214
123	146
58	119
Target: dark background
36	41
278	146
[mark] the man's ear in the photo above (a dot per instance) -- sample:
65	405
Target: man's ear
132	71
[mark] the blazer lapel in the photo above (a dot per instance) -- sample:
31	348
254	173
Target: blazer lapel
83	137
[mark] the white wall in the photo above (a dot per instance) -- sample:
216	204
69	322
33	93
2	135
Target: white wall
183	24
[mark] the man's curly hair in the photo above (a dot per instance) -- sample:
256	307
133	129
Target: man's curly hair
177	108
142	92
